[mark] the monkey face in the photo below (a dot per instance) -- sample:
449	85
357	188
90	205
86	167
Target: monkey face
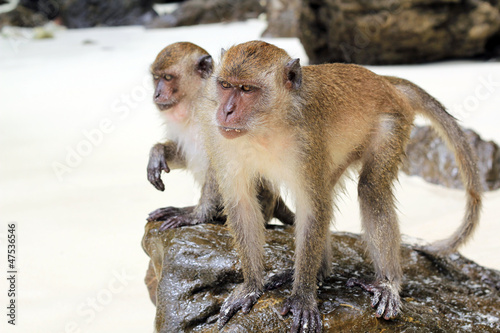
251	83
178	71
166	91
237	99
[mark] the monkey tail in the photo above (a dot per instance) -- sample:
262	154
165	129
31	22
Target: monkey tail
448	128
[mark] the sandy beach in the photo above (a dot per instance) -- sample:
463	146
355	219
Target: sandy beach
76	125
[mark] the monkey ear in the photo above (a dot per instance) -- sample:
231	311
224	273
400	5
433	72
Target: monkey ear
205	66
293	74
222	52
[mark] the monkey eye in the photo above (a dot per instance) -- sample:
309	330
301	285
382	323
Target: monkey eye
247	88
156	77
168	77
225	84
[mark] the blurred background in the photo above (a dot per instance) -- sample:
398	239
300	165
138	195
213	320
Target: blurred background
77	121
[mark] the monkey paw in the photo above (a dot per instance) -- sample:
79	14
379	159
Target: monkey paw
162	214
385	298
306	316
157	164
173	217
240	298
179	221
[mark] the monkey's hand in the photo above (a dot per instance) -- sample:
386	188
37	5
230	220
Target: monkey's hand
242	298
385	298
306	316
157	163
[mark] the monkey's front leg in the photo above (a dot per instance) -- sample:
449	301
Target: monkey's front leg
311	239
160	155
247	225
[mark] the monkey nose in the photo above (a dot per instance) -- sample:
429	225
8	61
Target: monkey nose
229	110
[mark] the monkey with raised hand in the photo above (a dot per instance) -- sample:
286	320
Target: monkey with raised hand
180	73
303	127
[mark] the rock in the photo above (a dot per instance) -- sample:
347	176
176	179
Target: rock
84	13
48	8
151	282
283	18
80	13
194	12
197	268
398	32
22	17
429	158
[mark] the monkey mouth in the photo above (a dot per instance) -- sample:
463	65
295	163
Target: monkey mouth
231	132
166	105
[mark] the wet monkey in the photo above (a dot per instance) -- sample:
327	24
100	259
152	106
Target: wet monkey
180	73
302	127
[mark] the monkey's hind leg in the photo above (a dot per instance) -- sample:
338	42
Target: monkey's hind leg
379	219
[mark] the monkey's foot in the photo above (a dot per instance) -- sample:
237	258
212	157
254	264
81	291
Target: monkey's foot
385	298
162	214
306	316
178	221
173	217
279	279
240	298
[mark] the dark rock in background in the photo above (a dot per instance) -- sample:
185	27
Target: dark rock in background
50	9
283	18
27	14
92	13
80	13
398	32
192	12
197	268
429	158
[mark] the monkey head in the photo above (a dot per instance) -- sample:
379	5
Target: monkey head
250	77
178	73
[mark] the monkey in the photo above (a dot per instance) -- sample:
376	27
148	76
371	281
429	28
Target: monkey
303	127
180	72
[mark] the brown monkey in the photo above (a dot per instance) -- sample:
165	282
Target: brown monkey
303	127
180	73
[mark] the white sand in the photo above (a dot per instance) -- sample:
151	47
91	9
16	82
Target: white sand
80	262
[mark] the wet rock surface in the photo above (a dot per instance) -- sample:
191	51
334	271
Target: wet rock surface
197	268
429	158
397	32
192	12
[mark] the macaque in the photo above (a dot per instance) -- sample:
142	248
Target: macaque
180	73
303	127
